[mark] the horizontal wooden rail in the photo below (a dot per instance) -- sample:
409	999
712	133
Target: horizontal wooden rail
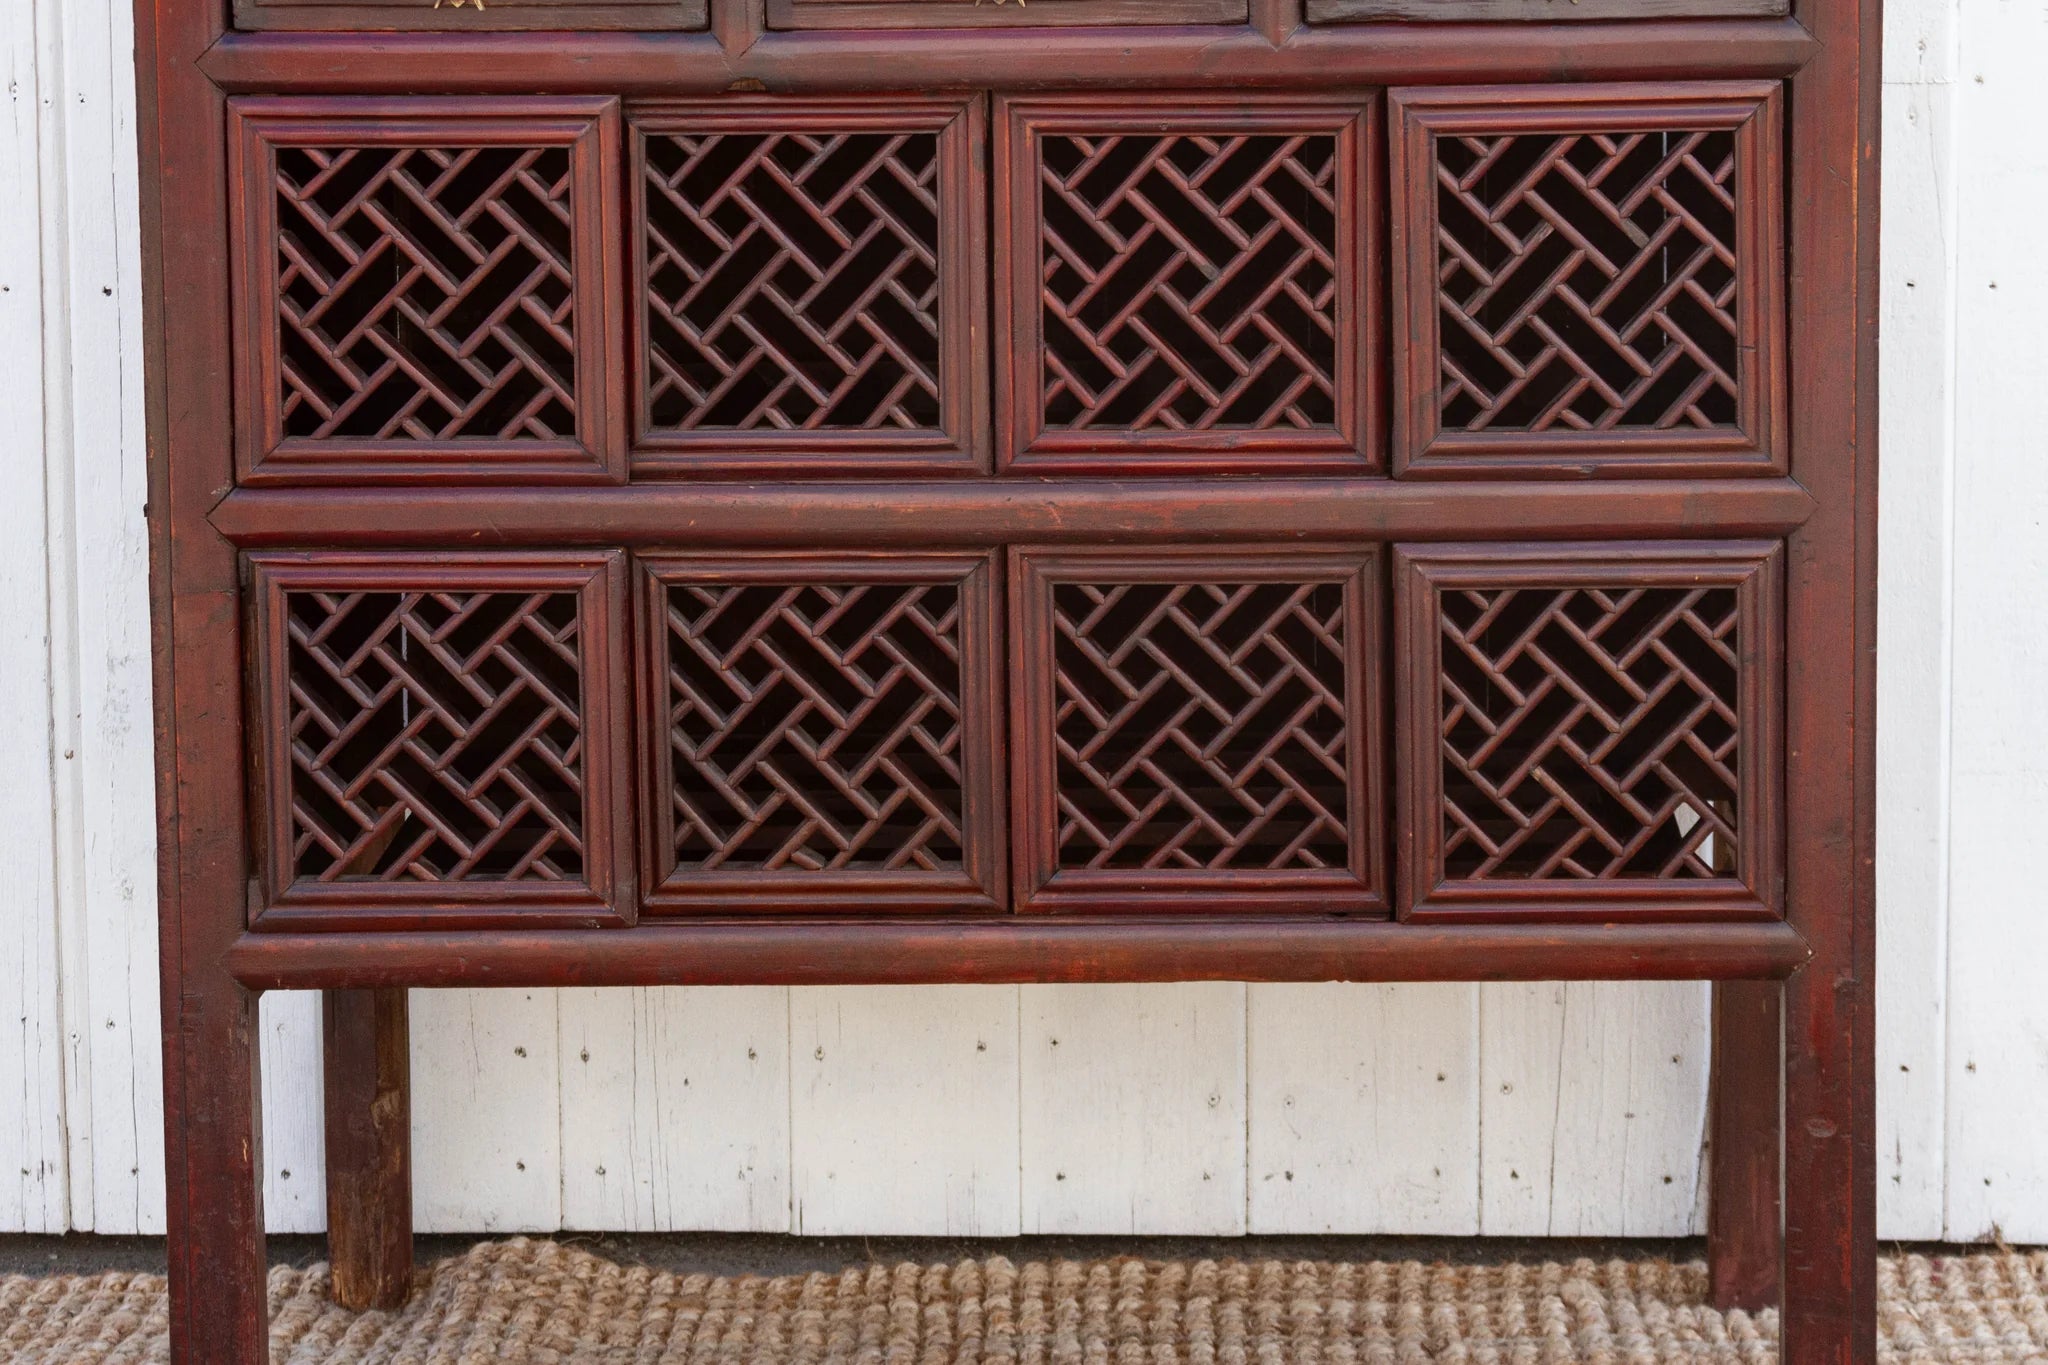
1018	948
1012	59
997	511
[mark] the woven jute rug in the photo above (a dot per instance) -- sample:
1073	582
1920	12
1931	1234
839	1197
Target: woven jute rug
536	1301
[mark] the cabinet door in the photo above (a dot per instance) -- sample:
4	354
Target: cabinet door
1197	731
441	739
820	733
1589	730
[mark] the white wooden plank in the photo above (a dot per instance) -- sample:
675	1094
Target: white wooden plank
294	1124
1917	447
675	1109
486	1111
1593	1108
1363	1109
34	1163
1997	1167
1521	1042
903	1110
1133	1109
95	451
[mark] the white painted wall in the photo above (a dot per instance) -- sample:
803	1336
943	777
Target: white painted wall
1513	1109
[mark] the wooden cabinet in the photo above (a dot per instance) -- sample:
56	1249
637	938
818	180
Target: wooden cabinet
1190	492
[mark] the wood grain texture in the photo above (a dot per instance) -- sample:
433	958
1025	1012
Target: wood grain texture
675	1109
1586	281
858	1056
1994	1070
1170	1062
674	64
1155	947
1535	11
1364	1108
966	1164
367	1067
1745	1247
430	16
915	14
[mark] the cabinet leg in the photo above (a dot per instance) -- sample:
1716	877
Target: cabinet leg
368	1078
1830	1308
213	1174
1744	1214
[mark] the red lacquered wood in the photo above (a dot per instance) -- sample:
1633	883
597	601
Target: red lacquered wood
1659	717
1829	1312
392	853
213	1178
1684	193
1157	386
467	15
995	511
740	734
1745	1208
773	329
367	1069
669	64
1118	816
1820	670
882	951
589	445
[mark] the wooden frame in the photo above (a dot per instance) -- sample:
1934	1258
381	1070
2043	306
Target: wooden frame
1752	441
903	14
976	886
587	127
1045	707
456	15
605	893
1805	981
1349	441
1424	575
958	442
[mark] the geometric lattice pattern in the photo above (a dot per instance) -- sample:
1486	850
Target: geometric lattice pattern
1589	733
1190	281
792	280
1201	726
1587	282
435	736
425	293
816	727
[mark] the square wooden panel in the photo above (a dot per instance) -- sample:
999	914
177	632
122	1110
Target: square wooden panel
469	16
1186	285
956	14
1588	280
820	733
425	290
810	288
1536	11
1196	731
1589	730
441	740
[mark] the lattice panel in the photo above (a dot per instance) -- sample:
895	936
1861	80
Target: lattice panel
1587	283
1597	276
1200	719
816	728
1192	289
1598	724
426	293
1190	282
1590	732
793	281
435	736
807	275
825	725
